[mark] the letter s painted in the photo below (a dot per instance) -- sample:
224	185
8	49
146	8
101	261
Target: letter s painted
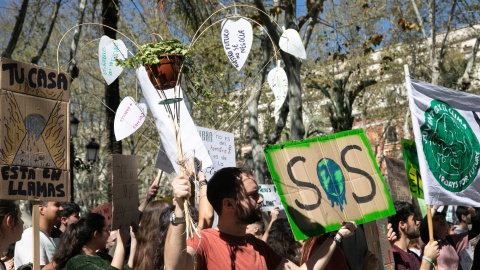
303	184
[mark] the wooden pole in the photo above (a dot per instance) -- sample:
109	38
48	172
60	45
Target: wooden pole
36	234
430	229
158	178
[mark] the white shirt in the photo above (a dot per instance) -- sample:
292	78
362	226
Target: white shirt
24	248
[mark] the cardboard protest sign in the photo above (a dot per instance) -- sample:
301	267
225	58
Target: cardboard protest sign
221	149
191	142
237	38
446	124
412	168
34	133
326	180
270	197
397	179
106	211
124	190
377	242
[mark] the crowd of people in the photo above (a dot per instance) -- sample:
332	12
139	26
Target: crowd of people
244	237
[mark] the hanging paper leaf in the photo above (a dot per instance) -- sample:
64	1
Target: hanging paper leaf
128	118
108	51
278	81
237	38
291	42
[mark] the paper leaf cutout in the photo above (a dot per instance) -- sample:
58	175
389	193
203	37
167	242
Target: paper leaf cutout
278	81
108	51
291	42
237	38
128	118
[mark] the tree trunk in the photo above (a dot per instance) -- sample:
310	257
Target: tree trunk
36	58
16	30
464	82
259	164
433	58
72	68
112	91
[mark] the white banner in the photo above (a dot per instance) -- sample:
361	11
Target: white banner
270	197
446	124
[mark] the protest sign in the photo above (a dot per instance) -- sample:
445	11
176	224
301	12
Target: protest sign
129	117
106	211
124	190
397	180
191	142
326	180
270	197
237	38
109	51
221	149
412	168
377	242
34	138
446	124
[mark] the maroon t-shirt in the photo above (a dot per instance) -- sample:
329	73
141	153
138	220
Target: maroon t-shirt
216	250
405	260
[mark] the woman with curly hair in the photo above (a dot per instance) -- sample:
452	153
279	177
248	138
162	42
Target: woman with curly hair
11	225
79	243
152	234
281	239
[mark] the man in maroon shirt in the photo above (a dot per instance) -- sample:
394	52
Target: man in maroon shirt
406	227
233	194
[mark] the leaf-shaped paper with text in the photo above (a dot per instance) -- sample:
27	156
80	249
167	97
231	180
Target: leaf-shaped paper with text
278	81
109	51
291	42
237	38
128	118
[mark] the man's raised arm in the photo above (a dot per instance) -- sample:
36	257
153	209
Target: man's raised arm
176	255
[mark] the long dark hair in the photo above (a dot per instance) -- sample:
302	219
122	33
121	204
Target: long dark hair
76	236
281	239
152	234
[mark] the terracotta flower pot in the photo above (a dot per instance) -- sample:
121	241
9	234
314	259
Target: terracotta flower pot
165	74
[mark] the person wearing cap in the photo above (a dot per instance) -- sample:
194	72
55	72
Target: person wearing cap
450	245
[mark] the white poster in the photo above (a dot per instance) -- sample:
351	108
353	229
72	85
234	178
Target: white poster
221	148
270	197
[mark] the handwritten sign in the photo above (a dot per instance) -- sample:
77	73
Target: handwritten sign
377	242
326	180
412	167
109	51
106	211
124	190
291	42
278	81
34	133
237	38
397	179
128	118
270	197
221	149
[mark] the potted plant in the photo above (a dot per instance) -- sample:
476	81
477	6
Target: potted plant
162	60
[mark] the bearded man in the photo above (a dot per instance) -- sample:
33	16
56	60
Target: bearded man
233	194
406	227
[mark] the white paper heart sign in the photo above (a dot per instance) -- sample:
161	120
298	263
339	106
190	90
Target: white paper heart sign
278	81
128	118
291	42
108	51
237	38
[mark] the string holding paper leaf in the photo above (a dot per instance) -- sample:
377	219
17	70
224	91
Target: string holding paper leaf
291	42
237	38
128	118
278	81
109	51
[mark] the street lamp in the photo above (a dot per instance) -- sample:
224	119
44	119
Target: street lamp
92	151
73	125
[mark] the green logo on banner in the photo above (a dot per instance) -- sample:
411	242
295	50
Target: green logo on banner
450	146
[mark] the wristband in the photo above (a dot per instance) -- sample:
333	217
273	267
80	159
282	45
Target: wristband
203	183
428	260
